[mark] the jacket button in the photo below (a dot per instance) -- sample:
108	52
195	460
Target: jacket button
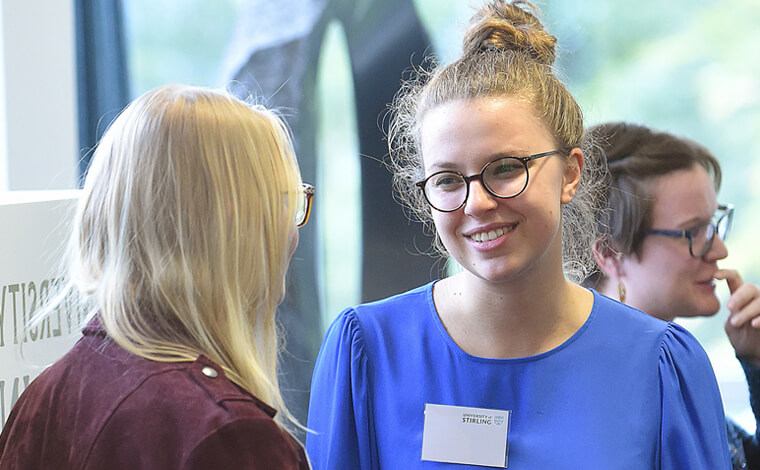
209	372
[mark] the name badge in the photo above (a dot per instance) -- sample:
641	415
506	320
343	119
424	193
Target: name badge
458	434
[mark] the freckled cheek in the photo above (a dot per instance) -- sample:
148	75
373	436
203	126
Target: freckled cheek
550	219
543	214
444	224
691	266
448	233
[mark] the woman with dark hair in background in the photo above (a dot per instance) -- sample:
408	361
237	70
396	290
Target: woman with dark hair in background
508	362
660	241
181	241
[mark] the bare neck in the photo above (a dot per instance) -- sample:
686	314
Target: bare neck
510	319
610	289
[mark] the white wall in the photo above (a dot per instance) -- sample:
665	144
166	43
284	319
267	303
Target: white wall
38	112
38	151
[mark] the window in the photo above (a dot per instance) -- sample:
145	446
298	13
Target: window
689	74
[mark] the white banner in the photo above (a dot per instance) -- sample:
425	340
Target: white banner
34	228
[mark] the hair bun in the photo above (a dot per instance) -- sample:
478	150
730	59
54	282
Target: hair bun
504	25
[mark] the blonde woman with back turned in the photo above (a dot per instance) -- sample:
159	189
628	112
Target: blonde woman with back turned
182	238
508	363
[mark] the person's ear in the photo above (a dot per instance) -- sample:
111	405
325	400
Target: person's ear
608	260
571	178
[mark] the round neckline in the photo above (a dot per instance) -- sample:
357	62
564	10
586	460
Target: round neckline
461	352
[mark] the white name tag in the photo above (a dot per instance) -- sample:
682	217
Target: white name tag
458	434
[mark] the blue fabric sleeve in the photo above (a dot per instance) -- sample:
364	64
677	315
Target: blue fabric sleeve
340	418
693	424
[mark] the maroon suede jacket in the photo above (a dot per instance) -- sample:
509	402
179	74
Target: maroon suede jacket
101	407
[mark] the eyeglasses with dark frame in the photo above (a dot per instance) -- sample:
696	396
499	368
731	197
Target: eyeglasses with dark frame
504	177
701	238
305	197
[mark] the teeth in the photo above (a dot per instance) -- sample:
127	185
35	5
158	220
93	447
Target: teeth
488	236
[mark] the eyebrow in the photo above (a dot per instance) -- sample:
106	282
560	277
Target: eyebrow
495	156
442	166
694	222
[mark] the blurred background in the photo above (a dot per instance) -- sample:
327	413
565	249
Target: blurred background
685	66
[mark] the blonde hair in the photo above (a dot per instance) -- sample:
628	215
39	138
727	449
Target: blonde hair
181	238
506	52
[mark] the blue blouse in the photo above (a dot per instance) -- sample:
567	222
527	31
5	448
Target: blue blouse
626	391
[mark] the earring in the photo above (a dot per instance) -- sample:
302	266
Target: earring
621	291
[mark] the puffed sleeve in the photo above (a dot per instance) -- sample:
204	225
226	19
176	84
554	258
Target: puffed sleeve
340	426
693	428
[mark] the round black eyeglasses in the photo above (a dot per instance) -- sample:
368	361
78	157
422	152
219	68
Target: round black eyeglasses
505	177
701	238
305	198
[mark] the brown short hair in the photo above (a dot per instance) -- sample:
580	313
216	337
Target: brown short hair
636	155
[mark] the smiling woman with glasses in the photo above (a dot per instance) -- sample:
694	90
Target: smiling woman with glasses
661	239
507	362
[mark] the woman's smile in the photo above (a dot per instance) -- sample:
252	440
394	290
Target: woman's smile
484	238
496	238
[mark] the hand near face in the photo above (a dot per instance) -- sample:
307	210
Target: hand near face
743	323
